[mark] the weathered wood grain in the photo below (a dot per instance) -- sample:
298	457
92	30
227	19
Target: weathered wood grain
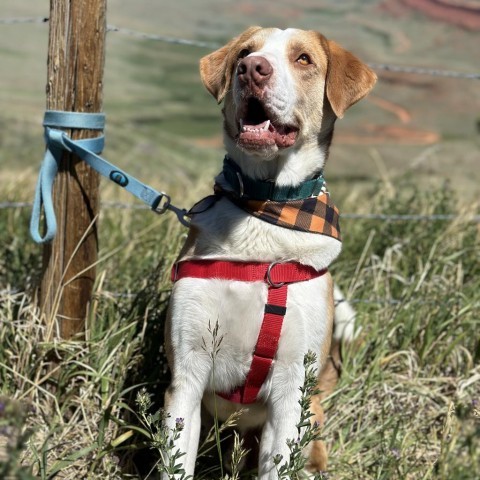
76	56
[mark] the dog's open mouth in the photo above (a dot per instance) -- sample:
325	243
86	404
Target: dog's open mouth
258	130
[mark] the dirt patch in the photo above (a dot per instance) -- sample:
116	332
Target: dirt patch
464	14
400	112
209	142
383	134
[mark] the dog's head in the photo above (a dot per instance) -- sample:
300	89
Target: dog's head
283	90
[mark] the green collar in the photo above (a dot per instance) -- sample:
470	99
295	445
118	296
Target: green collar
267	189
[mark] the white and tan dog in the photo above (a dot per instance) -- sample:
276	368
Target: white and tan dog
282	92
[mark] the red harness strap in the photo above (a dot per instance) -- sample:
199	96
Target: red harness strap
277	276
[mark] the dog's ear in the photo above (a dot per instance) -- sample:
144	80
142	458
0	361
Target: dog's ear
216	69
348	79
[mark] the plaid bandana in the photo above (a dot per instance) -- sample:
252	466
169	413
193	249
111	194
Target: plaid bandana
305	208
313	214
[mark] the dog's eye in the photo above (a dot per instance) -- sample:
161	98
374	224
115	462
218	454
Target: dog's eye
304	60
244	53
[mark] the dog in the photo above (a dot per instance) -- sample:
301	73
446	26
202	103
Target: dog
252	293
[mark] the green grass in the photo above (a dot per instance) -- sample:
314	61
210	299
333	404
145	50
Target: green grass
405	406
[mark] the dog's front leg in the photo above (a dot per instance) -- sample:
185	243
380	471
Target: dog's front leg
183	404
281	426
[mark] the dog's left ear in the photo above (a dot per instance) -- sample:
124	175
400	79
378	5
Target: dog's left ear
216	69
348	79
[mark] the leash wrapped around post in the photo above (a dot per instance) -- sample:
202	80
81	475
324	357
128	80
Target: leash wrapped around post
88	150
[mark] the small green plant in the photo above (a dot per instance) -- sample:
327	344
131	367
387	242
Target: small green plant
160	437
308	432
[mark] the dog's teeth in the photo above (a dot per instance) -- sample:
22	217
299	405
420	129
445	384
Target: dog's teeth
258	131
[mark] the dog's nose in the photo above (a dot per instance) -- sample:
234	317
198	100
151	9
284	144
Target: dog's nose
254	71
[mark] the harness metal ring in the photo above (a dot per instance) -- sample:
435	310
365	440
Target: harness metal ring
269	278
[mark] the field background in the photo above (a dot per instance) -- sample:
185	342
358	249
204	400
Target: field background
407	406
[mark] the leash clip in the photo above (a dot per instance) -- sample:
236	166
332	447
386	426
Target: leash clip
162	203
269	278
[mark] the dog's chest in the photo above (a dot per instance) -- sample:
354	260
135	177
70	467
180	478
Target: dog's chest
225	231
215	326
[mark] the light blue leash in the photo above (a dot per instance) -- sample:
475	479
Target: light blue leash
57	141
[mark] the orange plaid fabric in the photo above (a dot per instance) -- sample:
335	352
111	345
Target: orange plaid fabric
314	214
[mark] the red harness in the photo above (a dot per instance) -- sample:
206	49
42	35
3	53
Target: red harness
277	276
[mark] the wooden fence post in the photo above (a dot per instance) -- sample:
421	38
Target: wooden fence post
76	56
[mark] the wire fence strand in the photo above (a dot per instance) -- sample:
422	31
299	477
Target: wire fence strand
350	216
433	72
162	38
17	20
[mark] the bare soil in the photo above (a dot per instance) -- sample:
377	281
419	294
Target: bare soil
464	14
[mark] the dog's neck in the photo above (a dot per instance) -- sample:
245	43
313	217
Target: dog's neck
289	169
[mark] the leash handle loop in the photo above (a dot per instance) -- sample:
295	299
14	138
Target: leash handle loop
57	141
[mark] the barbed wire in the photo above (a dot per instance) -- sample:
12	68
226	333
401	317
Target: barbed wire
16	20
7	205
408	217
350	216
433	72
162	38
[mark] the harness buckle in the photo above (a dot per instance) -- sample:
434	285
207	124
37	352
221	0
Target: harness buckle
162	203
269	278
174	274
240	184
